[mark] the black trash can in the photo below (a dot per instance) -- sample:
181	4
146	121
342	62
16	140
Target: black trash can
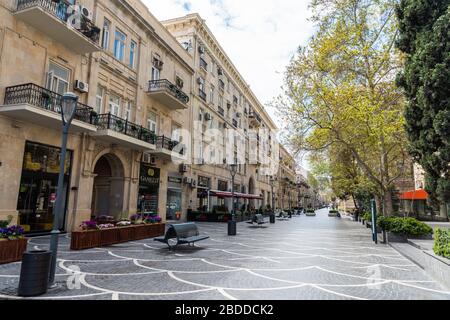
272	218
231	228
34	273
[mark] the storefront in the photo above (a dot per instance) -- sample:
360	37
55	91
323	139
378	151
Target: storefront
38	185
148	188
203	185
174	197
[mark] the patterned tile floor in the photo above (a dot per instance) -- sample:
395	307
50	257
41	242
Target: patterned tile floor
304	258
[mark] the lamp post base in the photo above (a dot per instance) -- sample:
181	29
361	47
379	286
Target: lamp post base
231	228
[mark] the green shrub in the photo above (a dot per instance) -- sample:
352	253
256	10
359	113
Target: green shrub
408	226
367	216
442	243
310	211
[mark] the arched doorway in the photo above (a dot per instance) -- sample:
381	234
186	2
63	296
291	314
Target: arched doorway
107	197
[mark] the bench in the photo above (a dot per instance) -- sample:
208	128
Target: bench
283	216
258	219
183	233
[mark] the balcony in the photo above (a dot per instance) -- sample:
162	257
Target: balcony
168	94
254	120
34	104
168	149
122	132
202	94
51	18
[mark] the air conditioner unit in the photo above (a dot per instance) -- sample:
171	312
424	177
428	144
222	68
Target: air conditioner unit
183	168
194	183
86	13
207	117
148	158
81	86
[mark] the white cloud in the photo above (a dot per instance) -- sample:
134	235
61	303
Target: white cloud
260	36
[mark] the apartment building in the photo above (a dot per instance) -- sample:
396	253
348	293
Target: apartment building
288	188
223	102
133	80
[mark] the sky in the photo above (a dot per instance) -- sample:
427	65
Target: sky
259	36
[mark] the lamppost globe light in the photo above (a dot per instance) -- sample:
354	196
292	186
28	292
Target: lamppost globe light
69	102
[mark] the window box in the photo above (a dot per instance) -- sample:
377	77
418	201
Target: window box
12	250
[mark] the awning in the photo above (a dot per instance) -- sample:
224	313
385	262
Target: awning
227	194
419	194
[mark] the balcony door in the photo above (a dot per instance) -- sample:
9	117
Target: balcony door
58	78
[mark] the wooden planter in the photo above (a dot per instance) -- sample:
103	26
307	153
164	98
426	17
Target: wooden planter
12	250
85	239
109	237
98	238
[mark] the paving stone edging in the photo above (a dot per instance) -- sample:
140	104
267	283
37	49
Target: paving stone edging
435	266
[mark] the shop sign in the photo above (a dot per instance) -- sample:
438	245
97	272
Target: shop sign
175	180
149	175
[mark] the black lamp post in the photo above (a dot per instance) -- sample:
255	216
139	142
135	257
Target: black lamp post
272	215
68	107
232	222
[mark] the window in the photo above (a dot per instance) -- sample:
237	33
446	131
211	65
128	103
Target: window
128	110
119	45
133	49
105	34
211	95
99	99
176	131
156	74
114	105
151	122
58	78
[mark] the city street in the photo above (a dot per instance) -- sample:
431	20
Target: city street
304	258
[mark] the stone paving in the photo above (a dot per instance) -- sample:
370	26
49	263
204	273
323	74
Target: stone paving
304	258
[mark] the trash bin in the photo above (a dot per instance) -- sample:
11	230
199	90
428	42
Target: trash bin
231	228
272	218
34	273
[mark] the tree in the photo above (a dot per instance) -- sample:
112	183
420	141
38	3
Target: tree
424	39
340	90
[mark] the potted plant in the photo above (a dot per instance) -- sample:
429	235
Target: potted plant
94	118
12	243
88	237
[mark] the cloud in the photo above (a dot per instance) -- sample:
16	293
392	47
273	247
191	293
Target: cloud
260	36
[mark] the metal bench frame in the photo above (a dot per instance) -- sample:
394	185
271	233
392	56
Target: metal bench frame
183	233
258	219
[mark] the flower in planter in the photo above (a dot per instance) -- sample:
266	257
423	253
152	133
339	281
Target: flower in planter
89	225
11	233
106	226
123	223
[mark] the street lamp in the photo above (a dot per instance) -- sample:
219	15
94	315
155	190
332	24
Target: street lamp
272	182
232	223
68	107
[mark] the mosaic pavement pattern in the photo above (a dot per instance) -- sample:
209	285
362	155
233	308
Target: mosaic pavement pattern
304	258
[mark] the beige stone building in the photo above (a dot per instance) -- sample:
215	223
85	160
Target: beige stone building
133	81
222	101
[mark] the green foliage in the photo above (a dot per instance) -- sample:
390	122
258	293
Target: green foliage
367	216
442	243
424	39
5	223
408	226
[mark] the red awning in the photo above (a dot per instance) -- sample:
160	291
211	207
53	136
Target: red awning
414	195
227	194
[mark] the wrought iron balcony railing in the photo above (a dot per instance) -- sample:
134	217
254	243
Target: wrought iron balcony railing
168	144
43	98
61	10
111	122
170	88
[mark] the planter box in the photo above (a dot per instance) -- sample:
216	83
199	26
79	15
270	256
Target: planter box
97	238
427	237
109	237
81	240
395	237
12	250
